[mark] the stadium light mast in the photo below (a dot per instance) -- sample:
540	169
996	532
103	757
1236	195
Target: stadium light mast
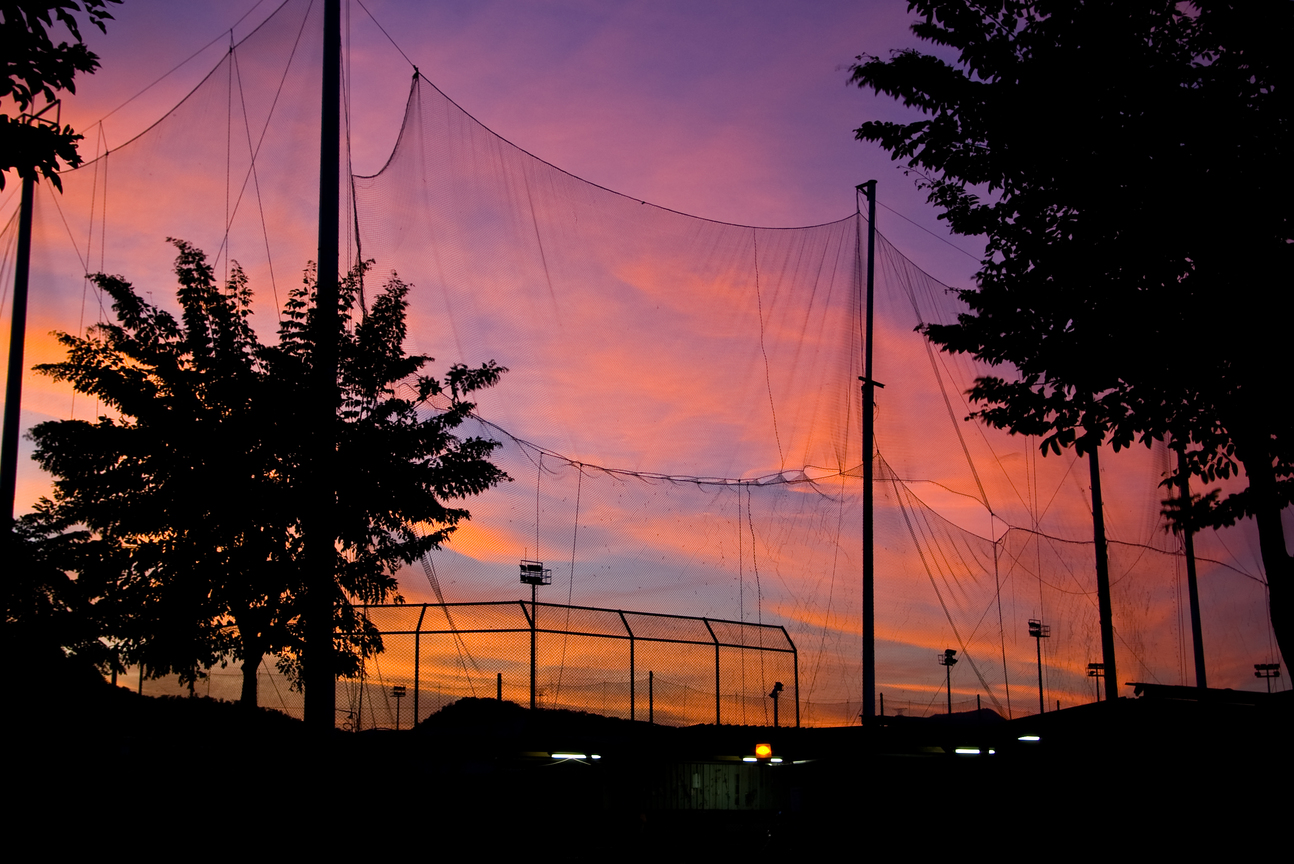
1096	671
1040	631
948	660
869	403
534	575
321	528
1268	671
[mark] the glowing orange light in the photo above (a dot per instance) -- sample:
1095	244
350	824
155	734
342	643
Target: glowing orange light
763	751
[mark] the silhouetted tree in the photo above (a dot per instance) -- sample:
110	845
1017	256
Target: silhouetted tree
1126	162
191	496
35	67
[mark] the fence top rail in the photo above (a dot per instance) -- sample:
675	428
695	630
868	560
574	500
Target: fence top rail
524	602
710	643
618	612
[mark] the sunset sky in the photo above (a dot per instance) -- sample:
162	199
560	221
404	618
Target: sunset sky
735	112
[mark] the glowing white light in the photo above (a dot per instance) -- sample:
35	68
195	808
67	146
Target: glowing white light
749	759
990	752
569	756
775	759
1028	738
967	751
596	756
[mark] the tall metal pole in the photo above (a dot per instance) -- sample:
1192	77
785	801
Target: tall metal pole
534	632
717	715
1188	543
1042	706
17	342
321	527
417	661
948	685
869	399
1103	580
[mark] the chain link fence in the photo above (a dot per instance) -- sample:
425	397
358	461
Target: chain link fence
670	669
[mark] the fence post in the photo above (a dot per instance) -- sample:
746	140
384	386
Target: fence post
531	616
630	631
706	621
651	697
417	659
795	664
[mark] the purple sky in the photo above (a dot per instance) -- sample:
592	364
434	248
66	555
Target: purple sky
735	111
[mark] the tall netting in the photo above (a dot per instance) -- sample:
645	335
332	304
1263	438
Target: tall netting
681	419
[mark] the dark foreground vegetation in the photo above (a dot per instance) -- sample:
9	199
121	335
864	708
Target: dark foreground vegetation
1158	772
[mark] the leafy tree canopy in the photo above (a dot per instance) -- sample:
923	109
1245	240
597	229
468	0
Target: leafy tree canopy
1125	161
181	514
34	67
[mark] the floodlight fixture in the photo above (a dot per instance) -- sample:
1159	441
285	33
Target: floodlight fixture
533	573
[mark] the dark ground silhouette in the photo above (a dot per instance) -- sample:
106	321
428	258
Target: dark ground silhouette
1158	772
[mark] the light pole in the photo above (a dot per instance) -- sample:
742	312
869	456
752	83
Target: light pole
777	691
1039	631
1268	671
398	692
948	660
1097	671
534	575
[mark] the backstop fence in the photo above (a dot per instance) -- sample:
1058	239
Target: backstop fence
671	669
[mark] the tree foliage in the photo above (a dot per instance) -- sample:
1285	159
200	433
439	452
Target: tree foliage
188	501
1125	162
34	67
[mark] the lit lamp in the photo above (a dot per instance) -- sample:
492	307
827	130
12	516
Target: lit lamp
763	753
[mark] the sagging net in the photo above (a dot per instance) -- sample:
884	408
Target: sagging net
681	419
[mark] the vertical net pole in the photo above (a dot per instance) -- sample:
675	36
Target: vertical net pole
869	397
1103	580
17	338
1192	587
321	696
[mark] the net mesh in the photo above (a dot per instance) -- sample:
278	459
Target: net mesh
681	419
